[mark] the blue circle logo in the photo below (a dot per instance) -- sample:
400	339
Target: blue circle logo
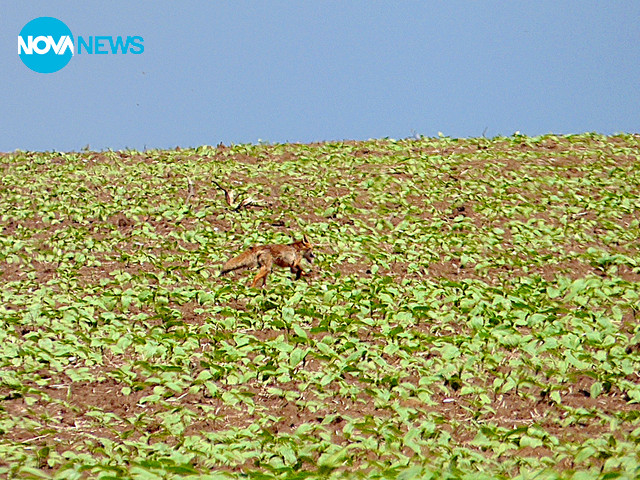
45	45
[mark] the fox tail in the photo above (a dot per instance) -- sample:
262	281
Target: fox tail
244	260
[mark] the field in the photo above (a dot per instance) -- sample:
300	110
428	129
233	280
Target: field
472	311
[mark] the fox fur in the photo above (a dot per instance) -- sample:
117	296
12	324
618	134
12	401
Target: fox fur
264	257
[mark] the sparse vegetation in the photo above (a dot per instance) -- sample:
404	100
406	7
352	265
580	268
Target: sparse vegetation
473	311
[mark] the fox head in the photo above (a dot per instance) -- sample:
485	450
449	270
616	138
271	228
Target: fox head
307	249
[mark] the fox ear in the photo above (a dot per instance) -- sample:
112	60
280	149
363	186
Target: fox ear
306	240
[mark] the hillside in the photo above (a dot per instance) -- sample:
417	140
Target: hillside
473	309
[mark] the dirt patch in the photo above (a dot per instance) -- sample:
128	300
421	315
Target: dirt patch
61	413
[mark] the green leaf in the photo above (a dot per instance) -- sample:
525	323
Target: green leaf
299	331
595	390
585	453
297	356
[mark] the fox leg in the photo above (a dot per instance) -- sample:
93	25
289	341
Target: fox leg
299	272
265	262
262	275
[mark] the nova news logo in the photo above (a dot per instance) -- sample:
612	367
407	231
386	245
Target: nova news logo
46	45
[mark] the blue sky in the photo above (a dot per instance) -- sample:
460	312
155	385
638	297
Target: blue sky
278	71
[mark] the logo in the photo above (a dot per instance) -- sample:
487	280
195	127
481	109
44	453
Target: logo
46	45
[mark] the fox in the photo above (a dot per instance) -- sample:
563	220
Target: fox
264	256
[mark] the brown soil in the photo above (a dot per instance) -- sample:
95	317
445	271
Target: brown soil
69	405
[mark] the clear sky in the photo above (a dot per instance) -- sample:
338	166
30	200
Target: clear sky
279	71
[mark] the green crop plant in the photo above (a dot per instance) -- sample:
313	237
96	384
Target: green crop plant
472	311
